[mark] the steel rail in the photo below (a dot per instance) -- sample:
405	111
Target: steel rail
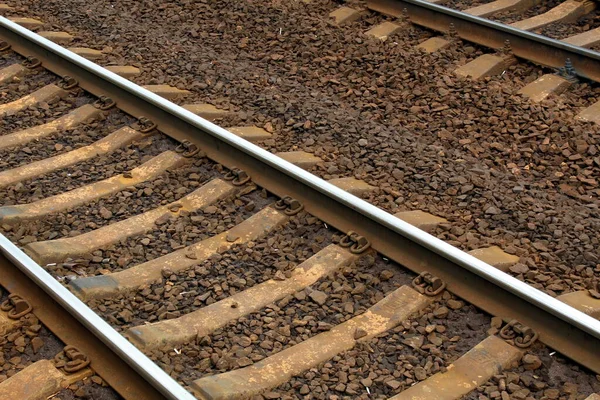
150	372
524	44
561	327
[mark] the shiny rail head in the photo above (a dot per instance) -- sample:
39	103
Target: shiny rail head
512	285
125	350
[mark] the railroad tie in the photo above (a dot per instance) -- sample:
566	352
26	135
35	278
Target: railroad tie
300	159
11	72
58	250
106	145
485	65
124	71
473	369
280	367
85	194
206	111
586	39
45	94
583	301
250	133
166	91
385	7
495	257
90	54
57	37
344	15
544	86
384	30
81	115
25	22
352	185
111	285
421	219
206	320
492	255
568	11
391	8
560	327
38	381
498	6
592	113
434	44
6	324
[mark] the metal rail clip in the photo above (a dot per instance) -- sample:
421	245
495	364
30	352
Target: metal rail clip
71	360
104	103
4	45
237	177
428	284
523	336
568	72
68	82
16	306
31	62
357	243
452	34
187	149
506	50
144	125
289	205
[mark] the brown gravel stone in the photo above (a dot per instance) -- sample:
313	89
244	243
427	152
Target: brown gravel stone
531	362
359	333
441	312
454	304
318	297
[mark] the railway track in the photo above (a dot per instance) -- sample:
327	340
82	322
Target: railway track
513	30
50	340
157	220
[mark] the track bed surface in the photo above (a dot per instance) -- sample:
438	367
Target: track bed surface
500	169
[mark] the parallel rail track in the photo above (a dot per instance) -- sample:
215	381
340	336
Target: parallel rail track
573	58
486	32
560	326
